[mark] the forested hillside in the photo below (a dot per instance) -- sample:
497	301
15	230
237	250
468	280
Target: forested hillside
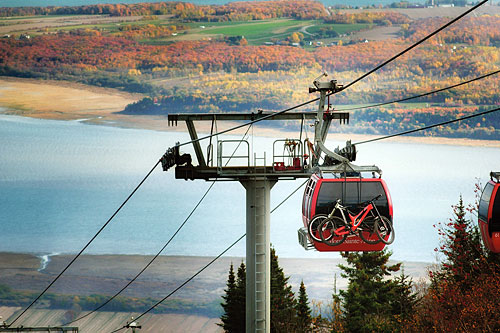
243	57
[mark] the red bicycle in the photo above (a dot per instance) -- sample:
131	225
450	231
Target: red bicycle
333	230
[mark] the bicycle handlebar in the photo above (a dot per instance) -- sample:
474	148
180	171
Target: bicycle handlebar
362	203
371	200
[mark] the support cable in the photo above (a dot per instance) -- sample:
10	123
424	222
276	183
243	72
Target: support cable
161	250
207	265
251	123
346	86
86	246
148	264
421	95
430	126
241	237
414	45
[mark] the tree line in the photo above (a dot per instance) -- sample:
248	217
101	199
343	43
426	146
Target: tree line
462	295
78	303
235	11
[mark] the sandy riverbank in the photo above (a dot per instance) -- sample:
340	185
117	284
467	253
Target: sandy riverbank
61	100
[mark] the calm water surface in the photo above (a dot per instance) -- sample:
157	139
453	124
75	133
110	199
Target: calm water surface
61	181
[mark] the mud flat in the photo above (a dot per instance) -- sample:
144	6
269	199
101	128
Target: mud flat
106	274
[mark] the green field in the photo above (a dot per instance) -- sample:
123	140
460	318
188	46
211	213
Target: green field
339	28
258	32
255	32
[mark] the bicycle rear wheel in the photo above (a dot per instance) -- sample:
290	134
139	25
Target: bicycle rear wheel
385	229
312	228
327	231
366	231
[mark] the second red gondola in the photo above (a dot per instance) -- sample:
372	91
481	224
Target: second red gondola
489	213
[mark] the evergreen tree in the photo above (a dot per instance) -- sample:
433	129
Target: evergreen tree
283	304
282	299
229	316
366	301
303	310
461	247
240	304
403	299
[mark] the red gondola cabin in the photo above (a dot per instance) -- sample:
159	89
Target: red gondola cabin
321	194
489	213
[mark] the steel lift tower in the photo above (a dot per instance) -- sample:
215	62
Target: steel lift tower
258	178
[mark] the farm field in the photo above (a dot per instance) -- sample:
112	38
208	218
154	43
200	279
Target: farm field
188	58
132	65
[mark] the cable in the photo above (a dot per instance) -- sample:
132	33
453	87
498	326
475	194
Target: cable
344	87
359	79
87	245
253	122
148	264
187	281
288	197
163	248
430	126
416	44
207	265
249	123
421	95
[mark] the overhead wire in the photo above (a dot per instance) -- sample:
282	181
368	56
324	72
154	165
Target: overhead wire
85	247
161	250
184	283
430	126
148	264
421	95
208	264
248	124
415	44
345	86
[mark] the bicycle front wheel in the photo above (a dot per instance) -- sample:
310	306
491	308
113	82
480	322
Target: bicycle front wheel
366	231
312	228
327	231
385	230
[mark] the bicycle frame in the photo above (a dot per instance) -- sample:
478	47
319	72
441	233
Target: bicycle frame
356	220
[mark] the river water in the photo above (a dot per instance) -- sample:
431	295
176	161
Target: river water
60	181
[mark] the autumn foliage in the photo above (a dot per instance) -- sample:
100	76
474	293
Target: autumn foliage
465	292
138	56
234	11
382	18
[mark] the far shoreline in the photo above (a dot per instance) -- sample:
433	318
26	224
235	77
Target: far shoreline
69	101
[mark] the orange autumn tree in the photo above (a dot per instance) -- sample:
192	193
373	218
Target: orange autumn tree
464	295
